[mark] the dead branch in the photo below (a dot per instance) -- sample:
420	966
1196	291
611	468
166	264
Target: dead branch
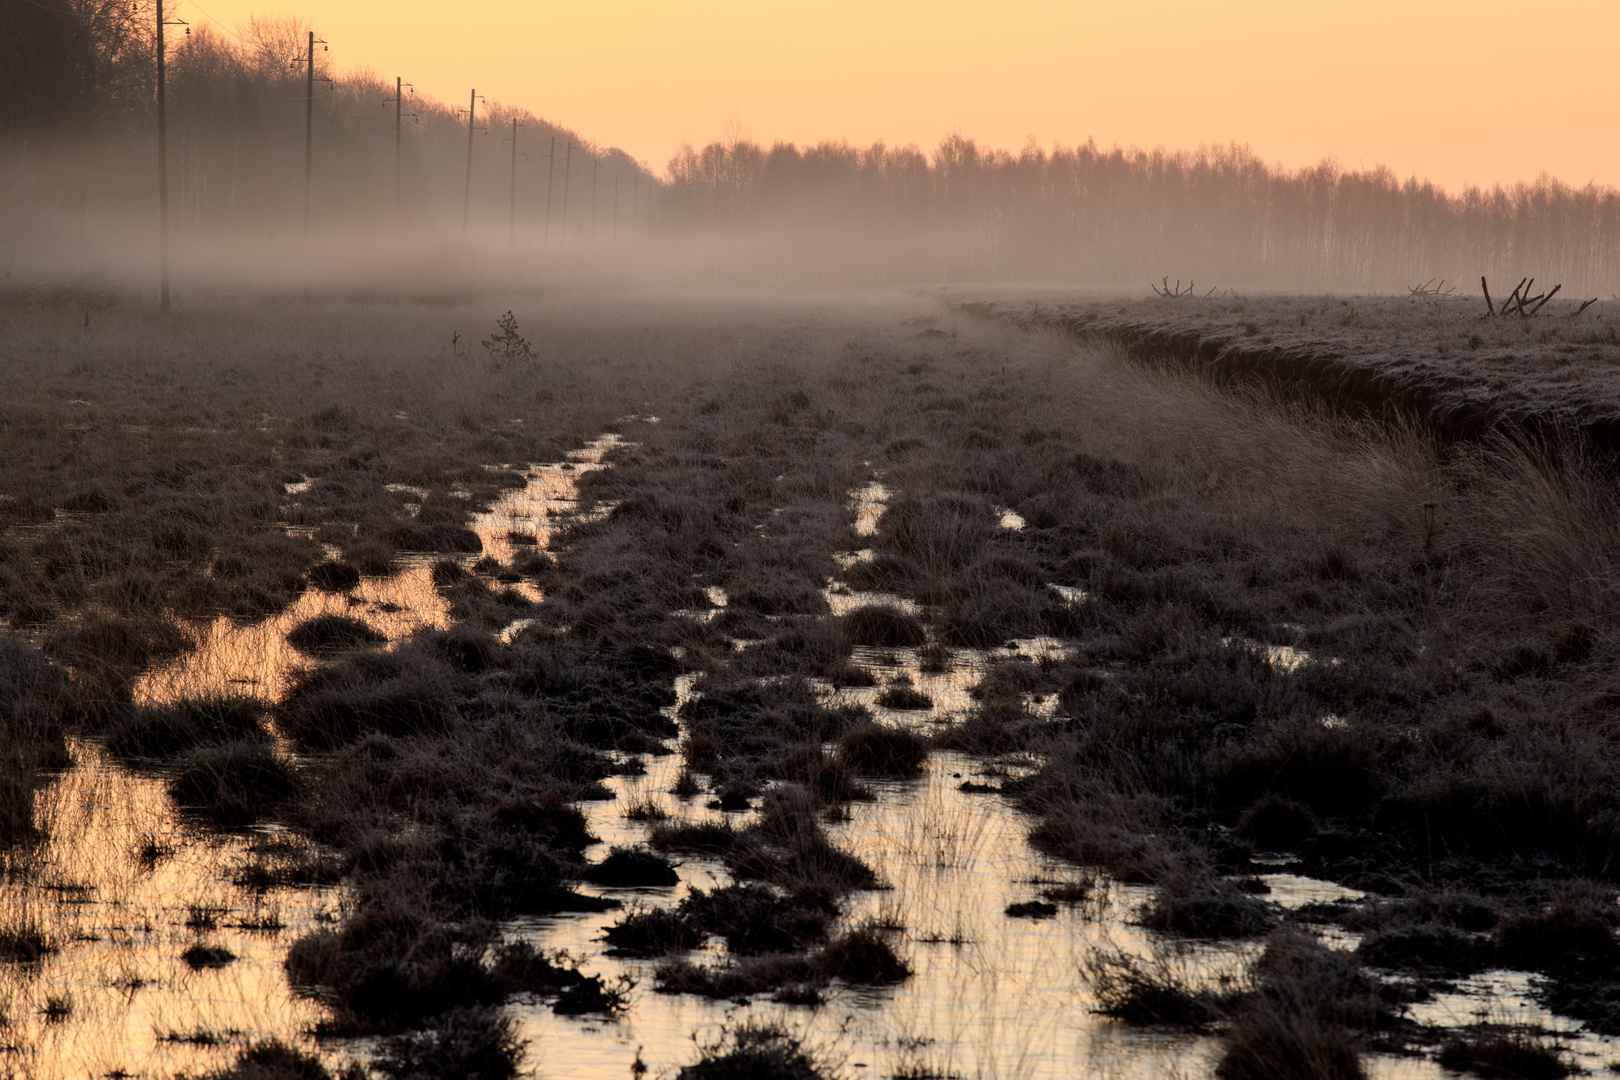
1514	295
1547	297
1430	288
1173	291
1584	305
1522	295
1518	302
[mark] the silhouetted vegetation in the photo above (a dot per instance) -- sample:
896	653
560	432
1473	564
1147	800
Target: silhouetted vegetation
969	213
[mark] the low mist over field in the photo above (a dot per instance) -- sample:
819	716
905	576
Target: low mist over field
78	126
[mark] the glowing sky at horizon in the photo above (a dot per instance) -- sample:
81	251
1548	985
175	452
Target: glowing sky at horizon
1482	91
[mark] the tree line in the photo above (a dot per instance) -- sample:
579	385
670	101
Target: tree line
78	134
1219	215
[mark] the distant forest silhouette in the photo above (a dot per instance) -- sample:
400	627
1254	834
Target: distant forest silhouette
1219	215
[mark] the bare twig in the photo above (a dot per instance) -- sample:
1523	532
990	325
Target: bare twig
1515	294
1524	296
1546	298
1584	305
1491	308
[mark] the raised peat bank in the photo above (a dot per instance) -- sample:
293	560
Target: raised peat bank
1437	360
920	695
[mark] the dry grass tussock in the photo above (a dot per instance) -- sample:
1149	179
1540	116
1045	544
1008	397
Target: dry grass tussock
1238	457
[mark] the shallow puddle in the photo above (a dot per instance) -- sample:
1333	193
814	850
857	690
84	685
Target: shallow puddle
1504	998
254	658
950	690
869	503
991	995
528	516
234	657
120	892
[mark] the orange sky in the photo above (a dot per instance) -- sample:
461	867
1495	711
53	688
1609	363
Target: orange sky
1458	92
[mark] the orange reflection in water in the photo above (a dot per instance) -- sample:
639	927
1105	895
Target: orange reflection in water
112	891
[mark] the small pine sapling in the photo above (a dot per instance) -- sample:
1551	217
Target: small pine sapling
508	344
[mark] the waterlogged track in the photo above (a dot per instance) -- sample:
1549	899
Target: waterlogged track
913	690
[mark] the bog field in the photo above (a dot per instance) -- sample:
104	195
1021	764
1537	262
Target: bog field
709	685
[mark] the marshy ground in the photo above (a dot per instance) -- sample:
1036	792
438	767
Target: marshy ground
800	686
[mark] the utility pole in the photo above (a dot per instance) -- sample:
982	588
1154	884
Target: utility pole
615	209
309	133
551	172
594	163
163	170
466	199
309	128
568	170
635	206
399	124
511	221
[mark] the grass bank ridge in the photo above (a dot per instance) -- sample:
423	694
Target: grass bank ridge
1435	362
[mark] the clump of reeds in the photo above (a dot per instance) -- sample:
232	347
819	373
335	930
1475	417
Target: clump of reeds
791	850
1152	990
233	784
109	647
33	693
334	575
327	634
903	697
392	967
24	941
754	919
655	932
200	957
862	955
632	868
166	731
880	750
1306	1015
1202	906
275	1060
883	626
750	1052
469	1042
389	693
742	977
1504	1052
695	837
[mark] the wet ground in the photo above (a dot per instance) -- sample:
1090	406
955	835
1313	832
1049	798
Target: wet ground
161	958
